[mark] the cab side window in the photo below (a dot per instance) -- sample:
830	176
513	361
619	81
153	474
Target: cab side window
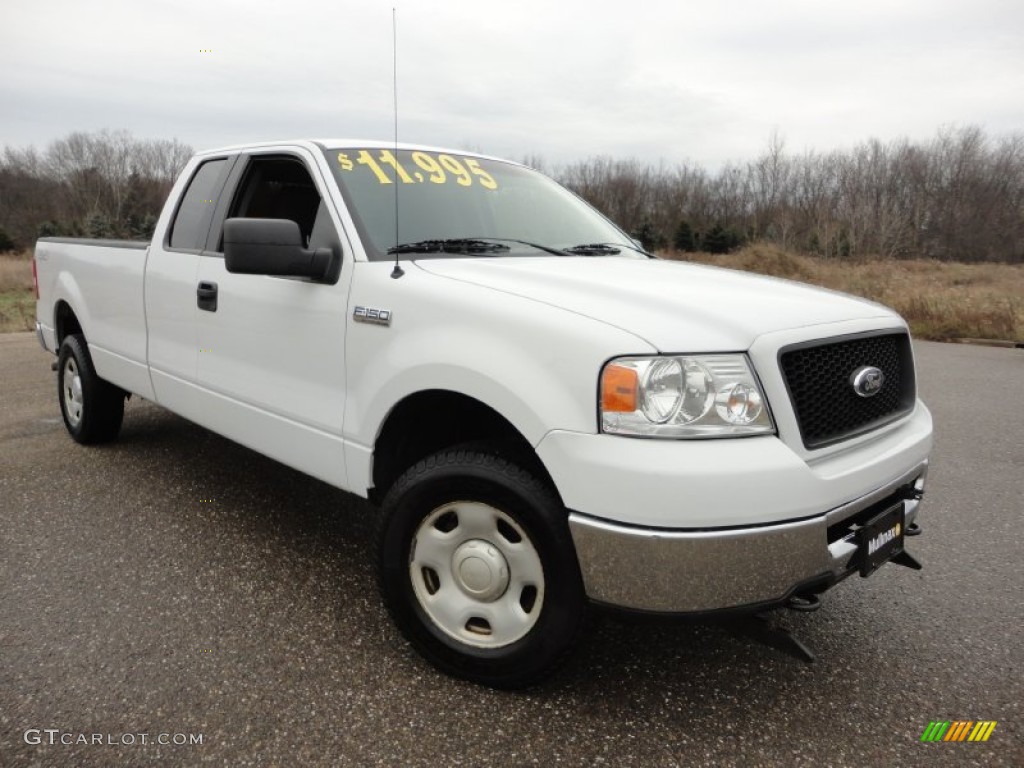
278	188
191	223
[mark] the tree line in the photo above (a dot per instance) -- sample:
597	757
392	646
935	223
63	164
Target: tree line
105	184
958	196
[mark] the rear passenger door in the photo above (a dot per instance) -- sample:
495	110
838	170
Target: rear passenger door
172	267
271	349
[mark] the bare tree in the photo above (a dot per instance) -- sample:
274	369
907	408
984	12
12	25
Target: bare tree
107	180
960	196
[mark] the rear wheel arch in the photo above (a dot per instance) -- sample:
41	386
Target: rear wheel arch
65	322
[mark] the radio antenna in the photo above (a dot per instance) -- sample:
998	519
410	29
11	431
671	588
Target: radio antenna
397	272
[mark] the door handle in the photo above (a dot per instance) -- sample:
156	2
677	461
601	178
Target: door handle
206	296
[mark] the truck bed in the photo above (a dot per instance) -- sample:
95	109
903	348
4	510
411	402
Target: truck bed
110	274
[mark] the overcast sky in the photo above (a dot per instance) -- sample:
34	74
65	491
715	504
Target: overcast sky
702	81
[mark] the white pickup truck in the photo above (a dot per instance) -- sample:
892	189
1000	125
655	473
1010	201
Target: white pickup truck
543	412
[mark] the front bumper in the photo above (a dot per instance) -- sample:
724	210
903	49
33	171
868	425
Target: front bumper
698	571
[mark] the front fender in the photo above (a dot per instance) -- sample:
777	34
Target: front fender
535	364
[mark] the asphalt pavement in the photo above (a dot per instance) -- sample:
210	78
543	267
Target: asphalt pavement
175	587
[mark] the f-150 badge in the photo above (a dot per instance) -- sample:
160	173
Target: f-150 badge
373	316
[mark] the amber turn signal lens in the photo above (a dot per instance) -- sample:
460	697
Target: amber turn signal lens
618	389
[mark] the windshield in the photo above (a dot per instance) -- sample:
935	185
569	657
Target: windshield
447	197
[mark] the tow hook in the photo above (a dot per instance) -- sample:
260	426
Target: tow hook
804	603
910	493
912	530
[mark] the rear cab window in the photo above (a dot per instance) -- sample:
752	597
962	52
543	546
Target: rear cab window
191	225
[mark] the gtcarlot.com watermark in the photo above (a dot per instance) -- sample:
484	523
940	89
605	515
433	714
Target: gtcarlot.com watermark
56	736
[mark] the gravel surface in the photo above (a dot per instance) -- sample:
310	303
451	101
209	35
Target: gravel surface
176	584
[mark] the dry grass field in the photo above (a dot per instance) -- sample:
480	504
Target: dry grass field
941	301
17	304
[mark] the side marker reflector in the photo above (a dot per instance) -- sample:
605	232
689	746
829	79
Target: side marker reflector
619	389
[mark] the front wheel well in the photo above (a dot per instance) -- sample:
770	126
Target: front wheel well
434	420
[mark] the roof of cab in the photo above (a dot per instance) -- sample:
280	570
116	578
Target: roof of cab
347	144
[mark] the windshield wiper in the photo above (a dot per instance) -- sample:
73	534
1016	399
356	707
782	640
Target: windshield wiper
487	245
454	245
470	245
594	249
546	248
606	249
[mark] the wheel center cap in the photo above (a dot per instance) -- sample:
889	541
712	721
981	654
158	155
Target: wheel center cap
76	388
480	570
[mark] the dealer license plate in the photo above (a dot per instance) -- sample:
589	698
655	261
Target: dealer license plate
881	539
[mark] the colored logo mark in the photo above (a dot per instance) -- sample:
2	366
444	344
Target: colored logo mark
958	730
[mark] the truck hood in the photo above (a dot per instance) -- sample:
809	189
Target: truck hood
674	306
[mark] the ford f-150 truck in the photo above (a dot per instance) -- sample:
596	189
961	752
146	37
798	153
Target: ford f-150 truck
543	413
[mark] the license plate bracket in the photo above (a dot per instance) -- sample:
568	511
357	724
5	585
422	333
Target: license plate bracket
881	538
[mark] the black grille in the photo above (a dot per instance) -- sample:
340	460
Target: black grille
819	374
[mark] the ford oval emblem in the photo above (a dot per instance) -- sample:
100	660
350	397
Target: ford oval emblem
867	381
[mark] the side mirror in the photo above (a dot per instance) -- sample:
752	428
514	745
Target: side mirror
272	247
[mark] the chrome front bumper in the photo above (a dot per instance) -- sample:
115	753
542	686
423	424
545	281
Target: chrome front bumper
693	571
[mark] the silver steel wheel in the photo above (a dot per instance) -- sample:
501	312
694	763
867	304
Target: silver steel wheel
73	402
476	574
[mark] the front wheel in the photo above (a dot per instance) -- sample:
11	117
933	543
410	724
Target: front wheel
92	408
478	570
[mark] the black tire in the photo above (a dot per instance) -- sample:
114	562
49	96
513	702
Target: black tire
540	622
93	408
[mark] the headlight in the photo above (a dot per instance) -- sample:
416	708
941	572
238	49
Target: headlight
683	396
662	390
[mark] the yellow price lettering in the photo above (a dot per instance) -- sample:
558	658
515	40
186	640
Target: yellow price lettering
486	180
437	170
430	165
365	158
387	157
455	168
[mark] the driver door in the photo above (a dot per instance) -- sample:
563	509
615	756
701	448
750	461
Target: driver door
271	349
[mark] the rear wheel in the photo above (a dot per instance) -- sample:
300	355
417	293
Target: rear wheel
477	567
92	408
